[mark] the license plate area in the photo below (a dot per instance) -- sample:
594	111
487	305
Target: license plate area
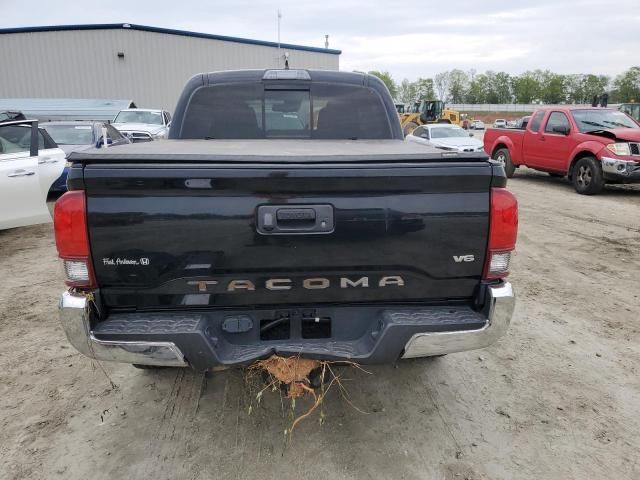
303	323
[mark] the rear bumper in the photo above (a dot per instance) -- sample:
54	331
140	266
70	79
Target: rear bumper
75	316
362	334
500	309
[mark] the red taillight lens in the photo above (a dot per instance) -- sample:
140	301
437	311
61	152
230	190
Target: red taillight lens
72	239
503	231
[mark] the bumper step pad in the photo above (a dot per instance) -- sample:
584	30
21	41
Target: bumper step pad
142	324
437	319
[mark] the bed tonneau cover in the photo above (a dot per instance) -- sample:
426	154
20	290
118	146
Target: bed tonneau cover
272	150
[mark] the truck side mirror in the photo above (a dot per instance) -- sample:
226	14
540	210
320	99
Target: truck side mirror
562	129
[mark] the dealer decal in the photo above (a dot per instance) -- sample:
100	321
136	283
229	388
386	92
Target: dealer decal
142	261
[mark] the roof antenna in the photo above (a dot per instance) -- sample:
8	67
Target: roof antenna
326	41
279	18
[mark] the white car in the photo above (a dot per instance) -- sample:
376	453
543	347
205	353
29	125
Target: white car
30	162
477	125
143	124
445	137
500	123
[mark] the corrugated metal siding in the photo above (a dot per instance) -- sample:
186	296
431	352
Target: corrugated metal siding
84	64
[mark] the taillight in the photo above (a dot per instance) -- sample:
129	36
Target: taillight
503	231
72	239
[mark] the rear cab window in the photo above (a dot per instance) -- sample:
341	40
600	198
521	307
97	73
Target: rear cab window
255	111
536	120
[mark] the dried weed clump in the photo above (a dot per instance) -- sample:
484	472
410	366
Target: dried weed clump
298	377
294	372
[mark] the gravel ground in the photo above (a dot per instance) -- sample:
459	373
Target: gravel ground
556	398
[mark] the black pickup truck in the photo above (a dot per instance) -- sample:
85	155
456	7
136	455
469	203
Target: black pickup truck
284	215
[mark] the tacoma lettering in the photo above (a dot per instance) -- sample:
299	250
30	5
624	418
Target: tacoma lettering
314	283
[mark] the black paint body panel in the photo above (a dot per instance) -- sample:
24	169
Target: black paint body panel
155	231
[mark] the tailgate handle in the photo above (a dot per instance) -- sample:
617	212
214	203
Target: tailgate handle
296	215
299	219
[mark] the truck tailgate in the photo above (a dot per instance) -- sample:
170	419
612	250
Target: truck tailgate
182	236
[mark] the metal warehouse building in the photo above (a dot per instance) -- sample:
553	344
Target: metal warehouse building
147	64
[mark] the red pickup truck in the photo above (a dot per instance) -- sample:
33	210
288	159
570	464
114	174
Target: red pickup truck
592	146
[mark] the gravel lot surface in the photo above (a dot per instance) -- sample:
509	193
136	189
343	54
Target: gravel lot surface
557	398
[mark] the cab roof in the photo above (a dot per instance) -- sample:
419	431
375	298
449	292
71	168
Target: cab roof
141	110
573	107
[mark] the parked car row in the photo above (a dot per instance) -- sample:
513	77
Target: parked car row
520	123
591	146
498	123
33	156
78	136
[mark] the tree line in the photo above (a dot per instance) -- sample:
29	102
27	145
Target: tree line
536	86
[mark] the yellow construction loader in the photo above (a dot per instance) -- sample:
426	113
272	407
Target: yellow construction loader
428	111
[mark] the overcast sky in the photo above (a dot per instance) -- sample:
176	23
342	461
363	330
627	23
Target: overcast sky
409	39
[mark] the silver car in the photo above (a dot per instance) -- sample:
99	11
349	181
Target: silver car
445	137
143	124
